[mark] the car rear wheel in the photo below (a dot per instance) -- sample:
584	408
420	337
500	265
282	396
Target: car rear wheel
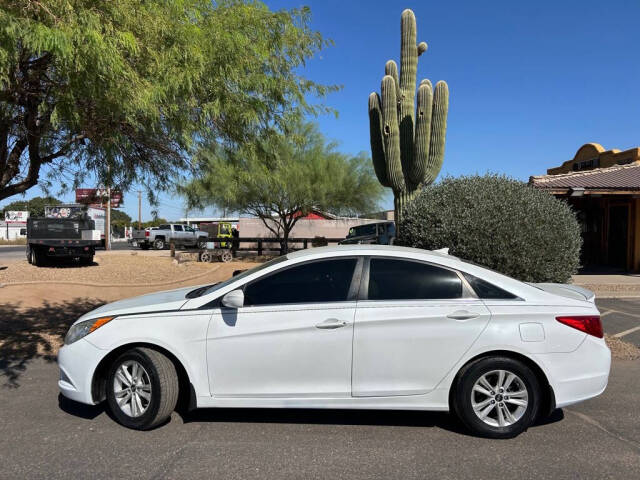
142	388
158	244
497	397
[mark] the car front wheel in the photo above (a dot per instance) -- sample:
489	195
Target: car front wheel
142	388
497	397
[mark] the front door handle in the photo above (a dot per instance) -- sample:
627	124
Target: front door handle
331	323
463	315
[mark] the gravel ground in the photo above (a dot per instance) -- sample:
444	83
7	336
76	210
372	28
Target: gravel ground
621	349
108	269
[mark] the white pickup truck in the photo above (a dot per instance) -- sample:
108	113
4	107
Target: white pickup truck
163	235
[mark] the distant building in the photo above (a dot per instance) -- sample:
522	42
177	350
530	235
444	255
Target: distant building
603	187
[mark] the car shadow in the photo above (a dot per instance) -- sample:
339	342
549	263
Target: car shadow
326	417
396	418
36	332
80	410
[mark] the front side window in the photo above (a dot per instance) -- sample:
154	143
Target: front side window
391	279
314	282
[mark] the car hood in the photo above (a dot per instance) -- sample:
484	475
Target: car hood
568	291
151	302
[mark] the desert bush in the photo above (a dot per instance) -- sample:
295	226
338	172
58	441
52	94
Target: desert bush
497	222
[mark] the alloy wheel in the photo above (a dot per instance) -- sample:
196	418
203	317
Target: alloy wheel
499	398
132	388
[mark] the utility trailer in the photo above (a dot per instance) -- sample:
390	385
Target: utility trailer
55	239
211	254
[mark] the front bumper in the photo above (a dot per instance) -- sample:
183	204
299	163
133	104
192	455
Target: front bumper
77	363
579	375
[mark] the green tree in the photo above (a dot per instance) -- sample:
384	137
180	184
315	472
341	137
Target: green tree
123	91
497	222
282	178
34	206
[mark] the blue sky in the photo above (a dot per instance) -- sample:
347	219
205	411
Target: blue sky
529	82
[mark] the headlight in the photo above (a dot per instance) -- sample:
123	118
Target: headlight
82	329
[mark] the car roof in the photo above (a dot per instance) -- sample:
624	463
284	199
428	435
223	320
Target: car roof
367	250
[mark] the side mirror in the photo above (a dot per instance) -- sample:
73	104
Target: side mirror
233	299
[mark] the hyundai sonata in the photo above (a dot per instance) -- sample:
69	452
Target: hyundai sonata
354	326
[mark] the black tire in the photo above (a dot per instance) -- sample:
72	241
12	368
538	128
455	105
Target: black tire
29	254
226	256
159	244
472	373
37	258
86	260
164	389
202	244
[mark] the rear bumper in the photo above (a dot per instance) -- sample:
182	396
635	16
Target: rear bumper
578	375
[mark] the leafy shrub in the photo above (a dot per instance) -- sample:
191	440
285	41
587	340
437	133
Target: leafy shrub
497	222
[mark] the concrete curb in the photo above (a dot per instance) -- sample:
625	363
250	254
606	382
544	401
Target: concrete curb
108	285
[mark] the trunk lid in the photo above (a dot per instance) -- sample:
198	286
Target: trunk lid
568	291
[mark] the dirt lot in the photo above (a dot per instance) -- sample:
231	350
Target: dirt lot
37	305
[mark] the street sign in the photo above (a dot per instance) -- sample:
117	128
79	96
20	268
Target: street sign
98	196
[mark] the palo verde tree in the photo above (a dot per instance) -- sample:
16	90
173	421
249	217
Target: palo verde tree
123	91
407	146
282	177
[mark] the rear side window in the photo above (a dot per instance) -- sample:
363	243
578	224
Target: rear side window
177	228
314	282
391	279
486	290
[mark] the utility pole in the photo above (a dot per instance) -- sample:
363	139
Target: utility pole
139	209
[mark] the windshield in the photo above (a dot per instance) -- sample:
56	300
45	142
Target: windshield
361	230
242	275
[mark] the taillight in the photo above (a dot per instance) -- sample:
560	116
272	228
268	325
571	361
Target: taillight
590	324
146	233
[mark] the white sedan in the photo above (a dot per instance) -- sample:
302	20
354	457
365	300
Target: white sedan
353	326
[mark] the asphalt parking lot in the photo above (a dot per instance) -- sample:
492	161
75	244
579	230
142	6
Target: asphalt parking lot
45	436
621	318
42	436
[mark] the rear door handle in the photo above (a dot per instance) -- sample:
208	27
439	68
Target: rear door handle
331	323
462	315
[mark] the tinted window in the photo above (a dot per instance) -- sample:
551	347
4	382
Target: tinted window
323	281
486	290
164	227
407	280
177	228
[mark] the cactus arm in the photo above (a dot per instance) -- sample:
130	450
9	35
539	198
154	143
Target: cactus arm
391	134
391	68
377	146
408	70
422	136
438	131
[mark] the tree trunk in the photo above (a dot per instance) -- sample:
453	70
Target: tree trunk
284	243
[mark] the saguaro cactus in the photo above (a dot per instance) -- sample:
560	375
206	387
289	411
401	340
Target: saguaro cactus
407	147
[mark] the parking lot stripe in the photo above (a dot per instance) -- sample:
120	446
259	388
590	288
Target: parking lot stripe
626	332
